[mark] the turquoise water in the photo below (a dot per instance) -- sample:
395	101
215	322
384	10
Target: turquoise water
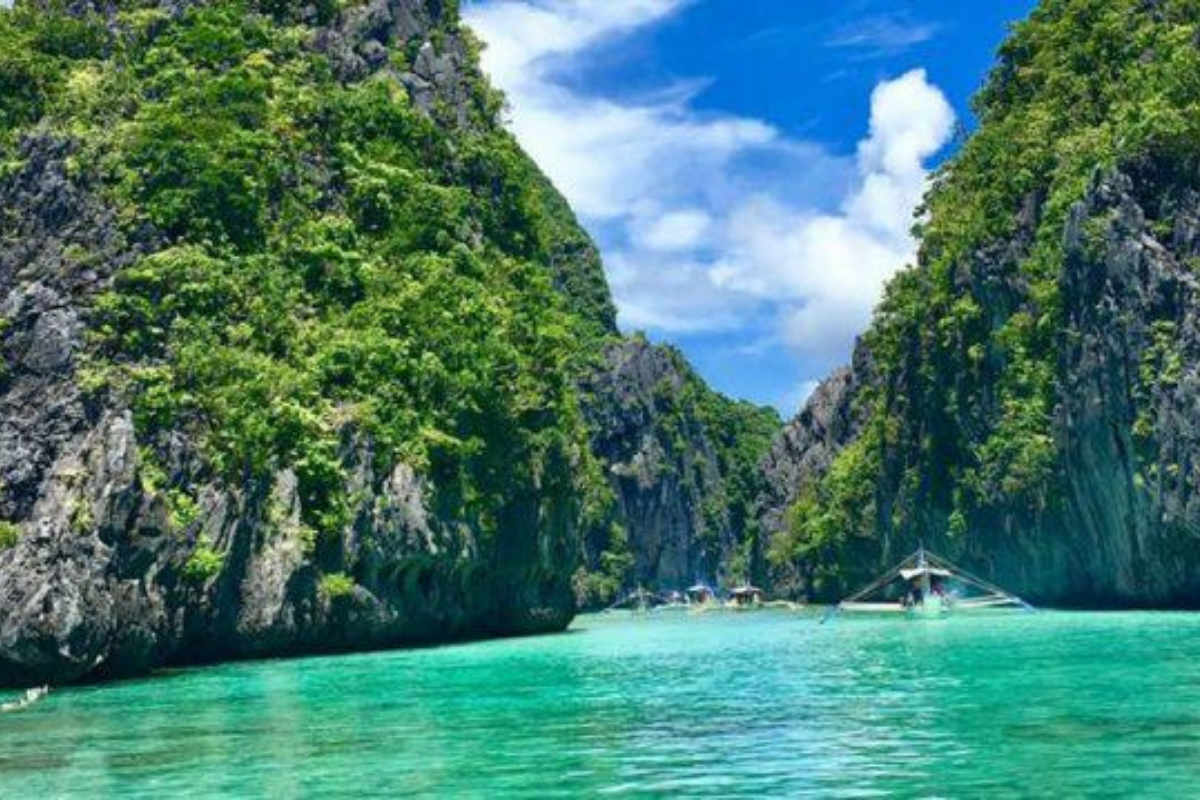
721	705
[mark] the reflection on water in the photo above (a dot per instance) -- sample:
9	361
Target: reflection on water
721	704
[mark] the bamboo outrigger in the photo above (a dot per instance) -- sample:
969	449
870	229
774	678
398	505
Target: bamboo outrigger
932	586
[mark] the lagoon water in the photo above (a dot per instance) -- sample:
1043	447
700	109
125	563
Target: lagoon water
727	705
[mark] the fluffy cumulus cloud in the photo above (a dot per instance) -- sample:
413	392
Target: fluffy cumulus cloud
714	223
826	271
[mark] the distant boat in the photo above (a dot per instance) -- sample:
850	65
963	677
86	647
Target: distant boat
926	585
697	599
701	598
673	600
745	597
639	601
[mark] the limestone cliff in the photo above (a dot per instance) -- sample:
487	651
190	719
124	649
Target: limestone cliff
682	462
283	370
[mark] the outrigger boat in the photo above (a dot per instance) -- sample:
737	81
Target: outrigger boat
639	601
642	601
701	594
701	598
745	598
926	585
697	599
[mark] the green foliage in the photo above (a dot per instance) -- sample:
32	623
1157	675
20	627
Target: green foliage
203	564
600	587
1162	362
1160	371
957	525
183	511
740	433
336	585
831	523
83	519
37	49
10	533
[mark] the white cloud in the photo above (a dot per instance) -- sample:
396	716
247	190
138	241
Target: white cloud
884	34
675	295
609	158
715	222
675	230
828	269
521	33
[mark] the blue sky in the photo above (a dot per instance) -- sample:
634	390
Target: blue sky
748	167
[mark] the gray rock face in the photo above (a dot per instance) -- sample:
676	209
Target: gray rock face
1130	370
45	219
103	580
383	35
662	465
809	443
1122	529
98	585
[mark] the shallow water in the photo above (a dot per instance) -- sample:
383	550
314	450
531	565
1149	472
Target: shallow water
1048	704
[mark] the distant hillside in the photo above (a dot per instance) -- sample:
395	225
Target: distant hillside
683	463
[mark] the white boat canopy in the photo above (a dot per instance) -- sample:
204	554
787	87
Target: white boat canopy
917	572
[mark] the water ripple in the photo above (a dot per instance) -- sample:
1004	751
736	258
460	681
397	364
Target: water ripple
722	705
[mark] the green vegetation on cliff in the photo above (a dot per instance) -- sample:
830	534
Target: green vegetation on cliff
741	434
965	346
